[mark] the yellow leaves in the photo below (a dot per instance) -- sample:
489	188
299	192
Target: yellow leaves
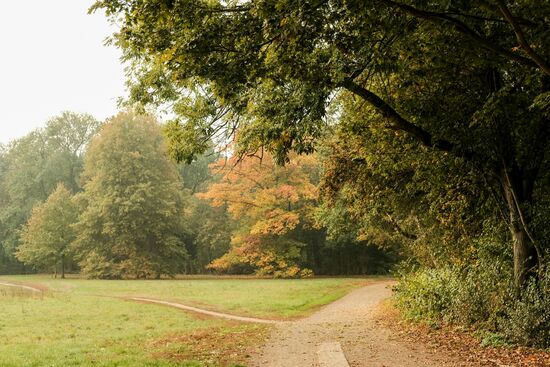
253	188
287	192
277	222
270	202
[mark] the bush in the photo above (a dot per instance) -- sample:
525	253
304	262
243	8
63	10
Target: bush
96	266
528	316
426	295
482	297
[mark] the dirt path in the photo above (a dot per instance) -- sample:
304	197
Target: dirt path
31	288
350	323
205	312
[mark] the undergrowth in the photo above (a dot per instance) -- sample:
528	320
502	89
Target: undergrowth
482	297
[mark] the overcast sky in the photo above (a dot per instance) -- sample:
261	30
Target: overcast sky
53	59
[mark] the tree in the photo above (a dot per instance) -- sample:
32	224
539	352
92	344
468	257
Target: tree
69	134
210	228
403	198
209	235
273	206
468	80
196	175
47	236
34	165
132	219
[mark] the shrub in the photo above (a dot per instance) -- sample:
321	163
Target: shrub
528	316
96	266
426	295
483	297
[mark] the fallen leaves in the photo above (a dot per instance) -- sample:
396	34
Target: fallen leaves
215	346
463	344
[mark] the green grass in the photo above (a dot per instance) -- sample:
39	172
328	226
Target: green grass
81	322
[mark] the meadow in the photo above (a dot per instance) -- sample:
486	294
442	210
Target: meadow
79	322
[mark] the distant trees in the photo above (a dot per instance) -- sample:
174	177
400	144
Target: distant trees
280	226
132	223
210	228
69	134
32	167
47	236
109	202
209	235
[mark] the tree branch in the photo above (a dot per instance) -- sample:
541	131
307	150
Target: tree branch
226	9
489	19
521	37
401	231
462	28
399	122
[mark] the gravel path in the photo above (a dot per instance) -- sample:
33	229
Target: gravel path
349	321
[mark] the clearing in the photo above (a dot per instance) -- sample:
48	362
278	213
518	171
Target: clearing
77	322
312	323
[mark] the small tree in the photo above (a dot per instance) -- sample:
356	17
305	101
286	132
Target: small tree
46	238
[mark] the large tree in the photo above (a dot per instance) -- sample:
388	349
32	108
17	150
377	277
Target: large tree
468	79
132	221
47	236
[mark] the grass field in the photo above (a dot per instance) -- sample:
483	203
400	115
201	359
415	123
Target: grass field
78	322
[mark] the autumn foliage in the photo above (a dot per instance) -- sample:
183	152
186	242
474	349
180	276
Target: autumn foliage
273	204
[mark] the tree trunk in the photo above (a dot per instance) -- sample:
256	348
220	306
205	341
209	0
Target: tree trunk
62	266
518	194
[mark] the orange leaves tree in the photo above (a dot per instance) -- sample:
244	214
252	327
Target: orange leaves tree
274	206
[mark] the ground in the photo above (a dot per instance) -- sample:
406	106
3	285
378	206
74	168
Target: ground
81	323
371	333
77	322
350	321
470	348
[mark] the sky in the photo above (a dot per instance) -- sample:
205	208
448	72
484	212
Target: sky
53	59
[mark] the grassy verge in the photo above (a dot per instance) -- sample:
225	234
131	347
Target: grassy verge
80	322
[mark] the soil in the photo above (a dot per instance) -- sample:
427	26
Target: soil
204	312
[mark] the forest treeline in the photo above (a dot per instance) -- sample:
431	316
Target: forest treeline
106	200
